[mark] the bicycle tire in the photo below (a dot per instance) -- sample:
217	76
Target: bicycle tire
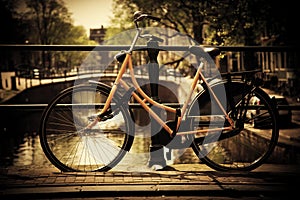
248	147
68	147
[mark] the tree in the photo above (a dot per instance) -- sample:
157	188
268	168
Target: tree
9	32
49	22
213	22
39	22
50	19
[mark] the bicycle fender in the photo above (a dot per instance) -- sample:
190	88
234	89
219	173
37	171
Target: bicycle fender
203	98
100	84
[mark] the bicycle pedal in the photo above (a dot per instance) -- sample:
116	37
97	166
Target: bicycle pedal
109	116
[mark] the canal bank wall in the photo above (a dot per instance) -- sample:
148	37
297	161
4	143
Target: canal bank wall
22	110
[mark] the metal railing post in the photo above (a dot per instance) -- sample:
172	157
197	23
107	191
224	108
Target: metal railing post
156	159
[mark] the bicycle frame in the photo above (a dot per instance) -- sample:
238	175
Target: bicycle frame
127	63
99	147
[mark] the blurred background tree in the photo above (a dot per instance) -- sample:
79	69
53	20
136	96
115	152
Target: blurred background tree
41	22
214	22
209	22
220	23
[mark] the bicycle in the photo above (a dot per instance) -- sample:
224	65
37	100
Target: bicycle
90	127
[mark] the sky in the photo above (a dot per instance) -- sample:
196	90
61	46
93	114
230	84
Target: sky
90	13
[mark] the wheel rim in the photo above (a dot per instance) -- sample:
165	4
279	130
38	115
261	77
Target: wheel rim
70	147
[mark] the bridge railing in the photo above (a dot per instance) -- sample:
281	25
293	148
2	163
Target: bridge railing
280	62
271	59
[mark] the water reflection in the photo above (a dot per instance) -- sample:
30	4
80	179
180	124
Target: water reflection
23	150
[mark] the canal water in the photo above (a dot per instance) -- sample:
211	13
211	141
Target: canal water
21	150
24	150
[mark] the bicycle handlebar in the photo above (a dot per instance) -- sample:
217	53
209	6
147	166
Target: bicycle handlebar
149	36
139	16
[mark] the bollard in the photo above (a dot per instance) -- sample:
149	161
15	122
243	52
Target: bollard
13	83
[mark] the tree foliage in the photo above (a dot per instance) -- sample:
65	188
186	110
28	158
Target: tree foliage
10	26
52	22
213	22
42	22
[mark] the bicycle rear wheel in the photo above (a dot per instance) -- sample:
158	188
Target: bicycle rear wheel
71	147
255	136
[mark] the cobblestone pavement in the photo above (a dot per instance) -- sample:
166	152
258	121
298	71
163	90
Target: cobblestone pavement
190	181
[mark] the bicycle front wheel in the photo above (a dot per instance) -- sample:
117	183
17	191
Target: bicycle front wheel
255	135
69	145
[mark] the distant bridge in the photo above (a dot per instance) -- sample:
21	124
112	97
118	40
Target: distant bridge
10	81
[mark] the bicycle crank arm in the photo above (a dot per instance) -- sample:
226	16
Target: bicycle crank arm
102	116
94	119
